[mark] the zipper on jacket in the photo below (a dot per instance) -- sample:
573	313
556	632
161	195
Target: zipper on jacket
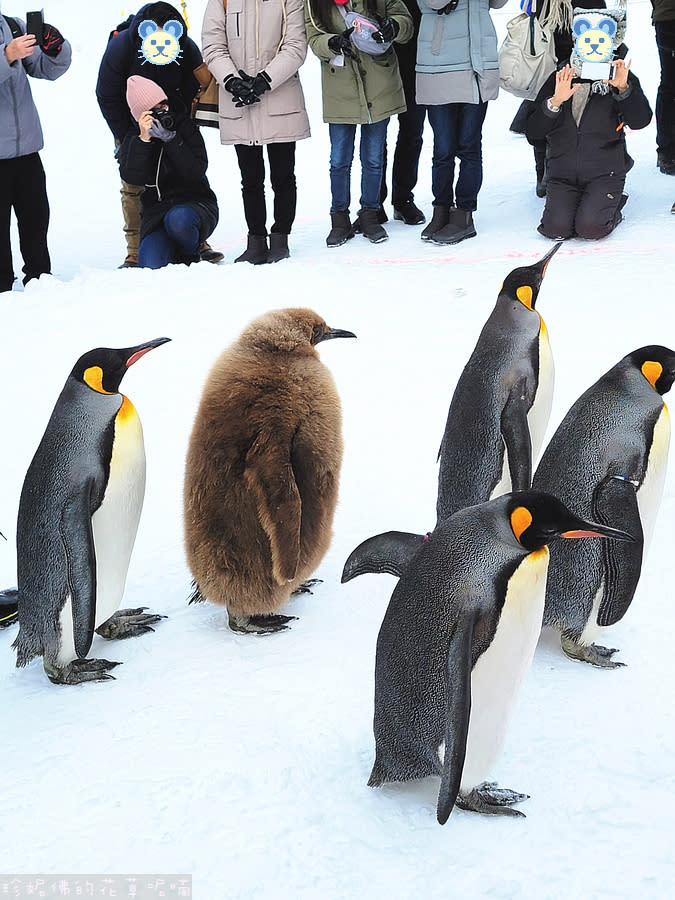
156	184
236	23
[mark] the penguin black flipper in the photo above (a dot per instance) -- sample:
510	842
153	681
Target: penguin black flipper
615	503
270	477
457	714
78	544
9	607
516	434
390	552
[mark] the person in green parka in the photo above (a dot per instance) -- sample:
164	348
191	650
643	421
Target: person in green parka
360	85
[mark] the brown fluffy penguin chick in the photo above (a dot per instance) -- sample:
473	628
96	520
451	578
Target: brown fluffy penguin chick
262	469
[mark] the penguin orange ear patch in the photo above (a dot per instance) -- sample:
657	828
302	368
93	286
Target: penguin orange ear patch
521	518
652	371
93	376
524	294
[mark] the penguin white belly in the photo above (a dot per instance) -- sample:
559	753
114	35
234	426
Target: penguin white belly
539	413
115	522
650	493
499	672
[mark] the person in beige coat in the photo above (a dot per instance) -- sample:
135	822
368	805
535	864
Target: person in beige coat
254	49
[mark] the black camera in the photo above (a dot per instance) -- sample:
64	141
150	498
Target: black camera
165	118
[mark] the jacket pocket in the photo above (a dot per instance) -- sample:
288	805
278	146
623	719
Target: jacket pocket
287	98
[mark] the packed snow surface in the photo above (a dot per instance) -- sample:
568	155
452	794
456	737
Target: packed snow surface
244	760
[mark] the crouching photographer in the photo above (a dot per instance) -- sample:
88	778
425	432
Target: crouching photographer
166	153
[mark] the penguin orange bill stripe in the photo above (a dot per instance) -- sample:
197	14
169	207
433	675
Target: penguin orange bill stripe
142	349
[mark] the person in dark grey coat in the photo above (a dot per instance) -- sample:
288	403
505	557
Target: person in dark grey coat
22	178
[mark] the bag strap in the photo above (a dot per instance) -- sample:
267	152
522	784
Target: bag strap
14	26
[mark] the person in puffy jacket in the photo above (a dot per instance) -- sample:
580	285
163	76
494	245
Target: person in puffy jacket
582	117
360	85
175	64
22	177
165	152
254	49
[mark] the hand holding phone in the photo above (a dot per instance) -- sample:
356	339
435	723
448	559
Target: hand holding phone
35	22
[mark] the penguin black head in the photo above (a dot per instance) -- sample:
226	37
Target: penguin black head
291	329
537	518
103	369
523	284
657	364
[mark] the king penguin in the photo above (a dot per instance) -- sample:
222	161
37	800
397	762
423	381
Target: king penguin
78	514
262	469
500	408
457	639
608	460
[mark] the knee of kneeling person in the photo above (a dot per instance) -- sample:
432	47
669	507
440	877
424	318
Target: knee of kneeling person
594	231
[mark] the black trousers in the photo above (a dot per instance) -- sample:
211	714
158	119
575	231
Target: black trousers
589	210
23	188
281	158
408	148
665	97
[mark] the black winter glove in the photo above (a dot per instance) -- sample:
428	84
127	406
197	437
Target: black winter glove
341	43
261	83
241	89
52	40
387	31
448	8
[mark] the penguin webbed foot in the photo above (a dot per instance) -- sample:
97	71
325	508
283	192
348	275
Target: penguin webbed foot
491	800
126	623
80	670
595	654
306	586
262	624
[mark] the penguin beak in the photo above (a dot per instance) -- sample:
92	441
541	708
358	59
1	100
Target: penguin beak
135	353
592	529
335	333
544	261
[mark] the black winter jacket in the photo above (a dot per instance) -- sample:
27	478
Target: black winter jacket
598	145
173	172
122	59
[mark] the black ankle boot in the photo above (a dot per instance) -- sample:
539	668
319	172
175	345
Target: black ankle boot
256	251
278	247
409	213
341	230
438	220
369	220
460	226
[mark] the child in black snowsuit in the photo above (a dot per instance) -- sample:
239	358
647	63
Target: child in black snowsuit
583	122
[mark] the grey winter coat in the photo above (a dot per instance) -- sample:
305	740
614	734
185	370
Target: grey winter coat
457	58
253	35
20	130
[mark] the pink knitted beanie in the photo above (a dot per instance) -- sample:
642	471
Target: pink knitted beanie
143	94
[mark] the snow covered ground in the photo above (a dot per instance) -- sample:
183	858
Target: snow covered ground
244	760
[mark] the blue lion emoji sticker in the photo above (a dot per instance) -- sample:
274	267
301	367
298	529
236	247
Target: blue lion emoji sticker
594	40
160	45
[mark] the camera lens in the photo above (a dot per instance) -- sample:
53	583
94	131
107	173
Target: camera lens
164	117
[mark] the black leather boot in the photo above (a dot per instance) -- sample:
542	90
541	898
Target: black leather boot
409	213
278	247
256	251
438	220
341	230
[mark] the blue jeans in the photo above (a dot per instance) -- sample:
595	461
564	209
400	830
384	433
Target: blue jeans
176	240
371	151
458	131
